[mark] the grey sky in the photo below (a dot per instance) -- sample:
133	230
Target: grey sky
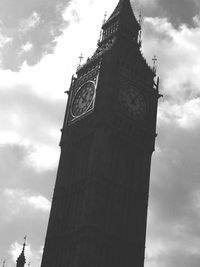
177	11
32	27
17	217
29	31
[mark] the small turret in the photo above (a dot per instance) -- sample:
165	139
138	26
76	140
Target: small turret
21	260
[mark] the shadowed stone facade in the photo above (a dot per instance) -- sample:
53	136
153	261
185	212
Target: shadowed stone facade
99	209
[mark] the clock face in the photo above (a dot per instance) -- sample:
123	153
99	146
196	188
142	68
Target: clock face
83	99
133	103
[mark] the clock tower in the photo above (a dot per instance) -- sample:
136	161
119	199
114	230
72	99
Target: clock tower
99	208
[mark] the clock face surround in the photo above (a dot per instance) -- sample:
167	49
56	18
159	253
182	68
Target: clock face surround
83	99
133	102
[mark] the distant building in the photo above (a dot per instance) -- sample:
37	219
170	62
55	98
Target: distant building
21	260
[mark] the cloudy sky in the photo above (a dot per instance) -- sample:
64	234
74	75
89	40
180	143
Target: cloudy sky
40	42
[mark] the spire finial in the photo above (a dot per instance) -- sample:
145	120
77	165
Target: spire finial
105	17
24	245
101	32
80	58
140	31
140	18
80	61
154	59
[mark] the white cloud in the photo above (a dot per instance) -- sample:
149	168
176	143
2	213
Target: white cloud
48	79
173	231
43	157
10	137
34	122
19	200
178	51
178	54
197	20
186	115
155	249
40	203
51	77
27	47
4	40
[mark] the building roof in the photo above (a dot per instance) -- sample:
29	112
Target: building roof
123	8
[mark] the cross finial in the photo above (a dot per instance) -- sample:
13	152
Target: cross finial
140	32
140	18
105	17
25	240
154	59
80	61
24	245
101	32
80	58
4	262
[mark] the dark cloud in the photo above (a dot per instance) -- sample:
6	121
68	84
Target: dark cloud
180	11
35	22
37	117
16	173
173	237
177	11
176	170
175	195
17	218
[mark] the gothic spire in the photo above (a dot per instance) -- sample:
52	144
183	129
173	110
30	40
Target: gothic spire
122	22
21	260
118	9
123	8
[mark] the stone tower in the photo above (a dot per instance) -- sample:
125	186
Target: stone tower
99	209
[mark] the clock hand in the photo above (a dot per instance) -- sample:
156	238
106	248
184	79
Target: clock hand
85	98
